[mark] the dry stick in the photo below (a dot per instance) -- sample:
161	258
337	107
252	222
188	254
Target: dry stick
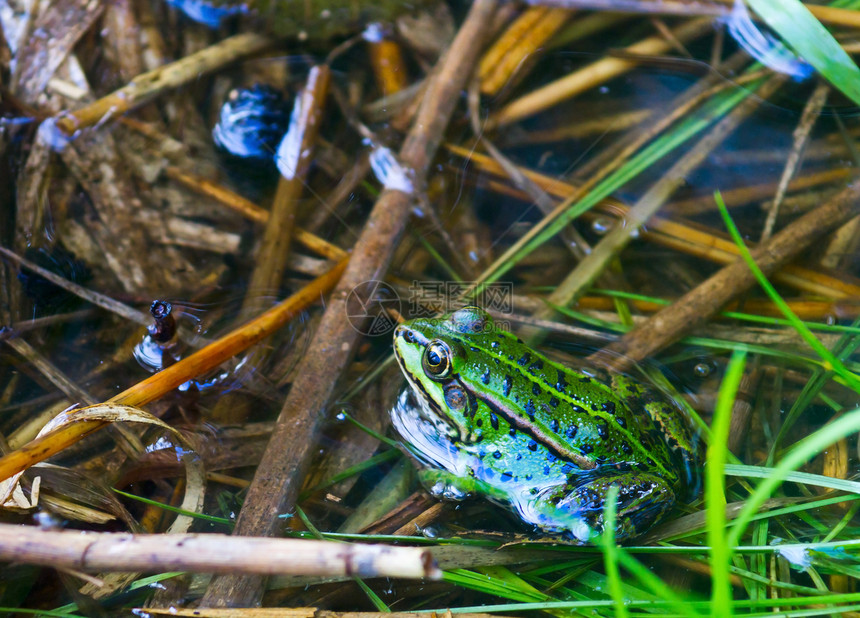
250	210
801	134
271	259
588	269
168	379
209	553
826	14
523	39
99	300
709	297
686	238
280	474
758	192
147	86
593	75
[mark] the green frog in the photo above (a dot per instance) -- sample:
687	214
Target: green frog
497	419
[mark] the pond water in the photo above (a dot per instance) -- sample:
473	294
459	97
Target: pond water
573	195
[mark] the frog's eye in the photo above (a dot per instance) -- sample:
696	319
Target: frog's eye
437	359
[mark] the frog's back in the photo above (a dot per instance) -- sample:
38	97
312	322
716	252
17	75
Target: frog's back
573	416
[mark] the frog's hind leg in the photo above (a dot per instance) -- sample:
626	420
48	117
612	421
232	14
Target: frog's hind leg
643	499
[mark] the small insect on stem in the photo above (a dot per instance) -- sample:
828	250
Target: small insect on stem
164	328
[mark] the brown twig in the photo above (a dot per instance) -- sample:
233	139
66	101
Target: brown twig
209	553
645	207
147	86
811	112
593	75
708	298
286	460
271	259
250	210
160	383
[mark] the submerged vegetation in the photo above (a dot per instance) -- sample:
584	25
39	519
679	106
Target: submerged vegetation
197	332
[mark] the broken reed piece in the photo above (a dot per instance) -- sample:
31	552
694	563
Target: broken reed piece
250	210
593	75
389	66
210	553
147	86
689	239
171	377
523	38
294	155
705	300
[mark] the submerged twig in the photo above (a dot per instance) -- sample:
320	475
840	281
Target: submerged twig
801	135
280	474
593	75
171	377
146	87
253	212
588	270
708	298
296	152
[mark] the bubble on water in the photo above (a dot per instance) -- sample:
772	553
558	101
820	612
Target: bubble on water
702	370
601	225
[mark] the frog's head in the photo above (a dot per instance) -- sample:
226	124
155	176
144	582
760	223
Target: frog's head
432	356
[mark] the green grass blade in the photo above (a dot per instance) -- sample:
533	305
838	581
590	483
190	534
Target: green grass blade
210	518
812	41
802	452
610	553
831	362
655	584
806	478
715	486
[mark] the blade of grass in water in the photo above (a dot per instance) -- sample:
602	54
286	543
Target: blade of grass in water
812	41
802	452
806	478
715	485
610	553
167	507
655	584
737	315
834	363
497	587
717	108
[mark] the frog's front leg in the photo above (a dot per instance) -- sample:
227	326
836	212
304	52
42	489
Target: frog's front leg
643	499
444	484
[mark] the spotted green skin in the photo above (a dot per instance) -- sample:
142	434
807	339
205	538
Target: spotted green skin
505	422
316	19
